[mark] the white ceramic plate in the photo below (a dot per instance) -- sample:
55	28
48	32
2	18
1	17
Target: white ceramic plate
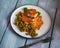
44	28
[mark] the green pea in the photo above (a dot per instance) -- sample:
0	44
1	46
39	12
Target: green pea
25	9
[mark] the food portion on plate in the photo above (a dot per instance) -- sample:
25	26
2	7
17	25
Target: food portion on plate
29	21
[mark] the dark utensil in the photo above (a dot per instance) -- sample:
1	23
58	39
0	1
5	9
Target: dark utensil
46	40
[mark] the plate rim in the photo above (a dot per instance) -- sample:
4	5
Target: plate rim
31	37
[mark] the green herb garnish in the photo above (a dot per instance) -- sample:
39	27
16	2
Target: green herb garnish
25	9
38	13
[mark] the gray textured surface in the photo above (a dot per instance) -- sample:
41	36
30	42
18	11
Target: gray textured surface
11	39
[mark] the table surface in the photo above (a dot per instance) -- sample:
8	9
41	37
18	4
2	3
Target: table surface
9	39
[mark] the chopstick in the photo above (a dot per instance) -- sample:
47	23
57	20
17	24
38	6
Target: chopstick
46	40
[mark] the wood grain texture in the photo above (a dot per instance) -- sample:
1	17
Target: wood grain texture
6	8
27	2
50	7
11	39
56	34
